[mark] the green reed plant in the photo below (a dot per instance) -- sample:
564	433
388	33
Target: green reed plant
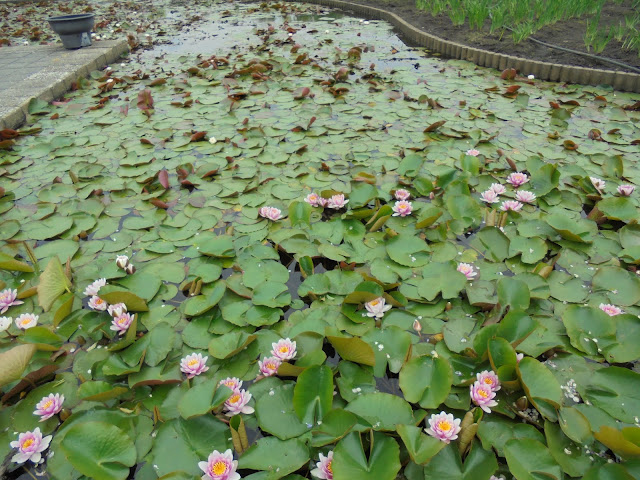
498	17
618	32
521	32
631	21
457	13
478	13
632	42
527	17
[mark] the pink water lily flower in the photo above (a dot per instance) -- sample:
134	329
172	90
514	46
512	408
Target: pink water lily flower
237	403
96	303
26	320
489	196
483	396
610	310
626	190
402	208
467	270
517	178
498	188
337	202
269	366
519	356
49	406
525	197
402	194
193	365
443	427
117	309
473	152
30	446
270	213
5	323
220	466
94	287
8	298
487	377
233	383
377	308
121	323
284	349
512	205
314	200
598	183
324	469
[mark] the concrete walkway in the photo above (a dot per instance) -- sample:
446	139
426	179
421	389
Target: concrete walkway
46	72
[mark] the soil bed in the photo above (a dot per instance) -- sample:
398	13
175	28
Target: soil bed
566	34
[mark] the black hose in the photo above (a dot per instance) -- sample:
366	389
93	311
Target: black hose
577	52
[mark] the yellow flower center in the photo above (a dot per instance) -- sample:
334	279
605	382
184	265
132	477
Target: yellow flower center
99	301
483	393
488	380
47	404
234	399
444	425
374	302
284	349
25	321
270	365
122	320
192	362
27	443
219	468
329	467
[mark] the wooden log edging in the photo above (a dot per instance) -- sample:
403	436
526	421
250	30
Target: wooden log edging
629	82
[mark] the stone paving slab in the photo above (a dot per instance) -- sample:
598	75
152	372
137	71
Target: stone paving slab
46	72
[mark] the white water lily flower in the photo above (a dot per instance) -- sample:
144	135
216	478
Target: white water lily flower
377	308
94	287
598	183
5	323
26	320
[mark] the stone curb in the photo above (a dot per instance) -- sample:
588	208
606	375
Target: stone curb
629	82
57	81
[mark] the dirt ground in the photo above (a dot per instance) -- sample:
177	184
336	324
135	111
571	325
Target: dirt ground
566	34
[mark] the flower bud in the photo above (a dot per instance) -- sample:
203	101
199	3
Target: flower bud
122	261
130	269
417	326
64	414
522	403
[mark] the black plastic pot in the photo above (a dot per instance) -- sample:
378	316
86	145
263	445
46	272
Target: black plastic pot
74	30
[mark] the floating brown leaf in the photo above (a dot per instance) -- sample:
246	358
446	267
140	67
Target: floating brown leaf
163	178
159	203
434	126
635	107
196	137
301	93
508	74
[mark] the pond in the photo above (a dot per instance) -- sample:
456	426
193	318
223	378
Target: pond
283	172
